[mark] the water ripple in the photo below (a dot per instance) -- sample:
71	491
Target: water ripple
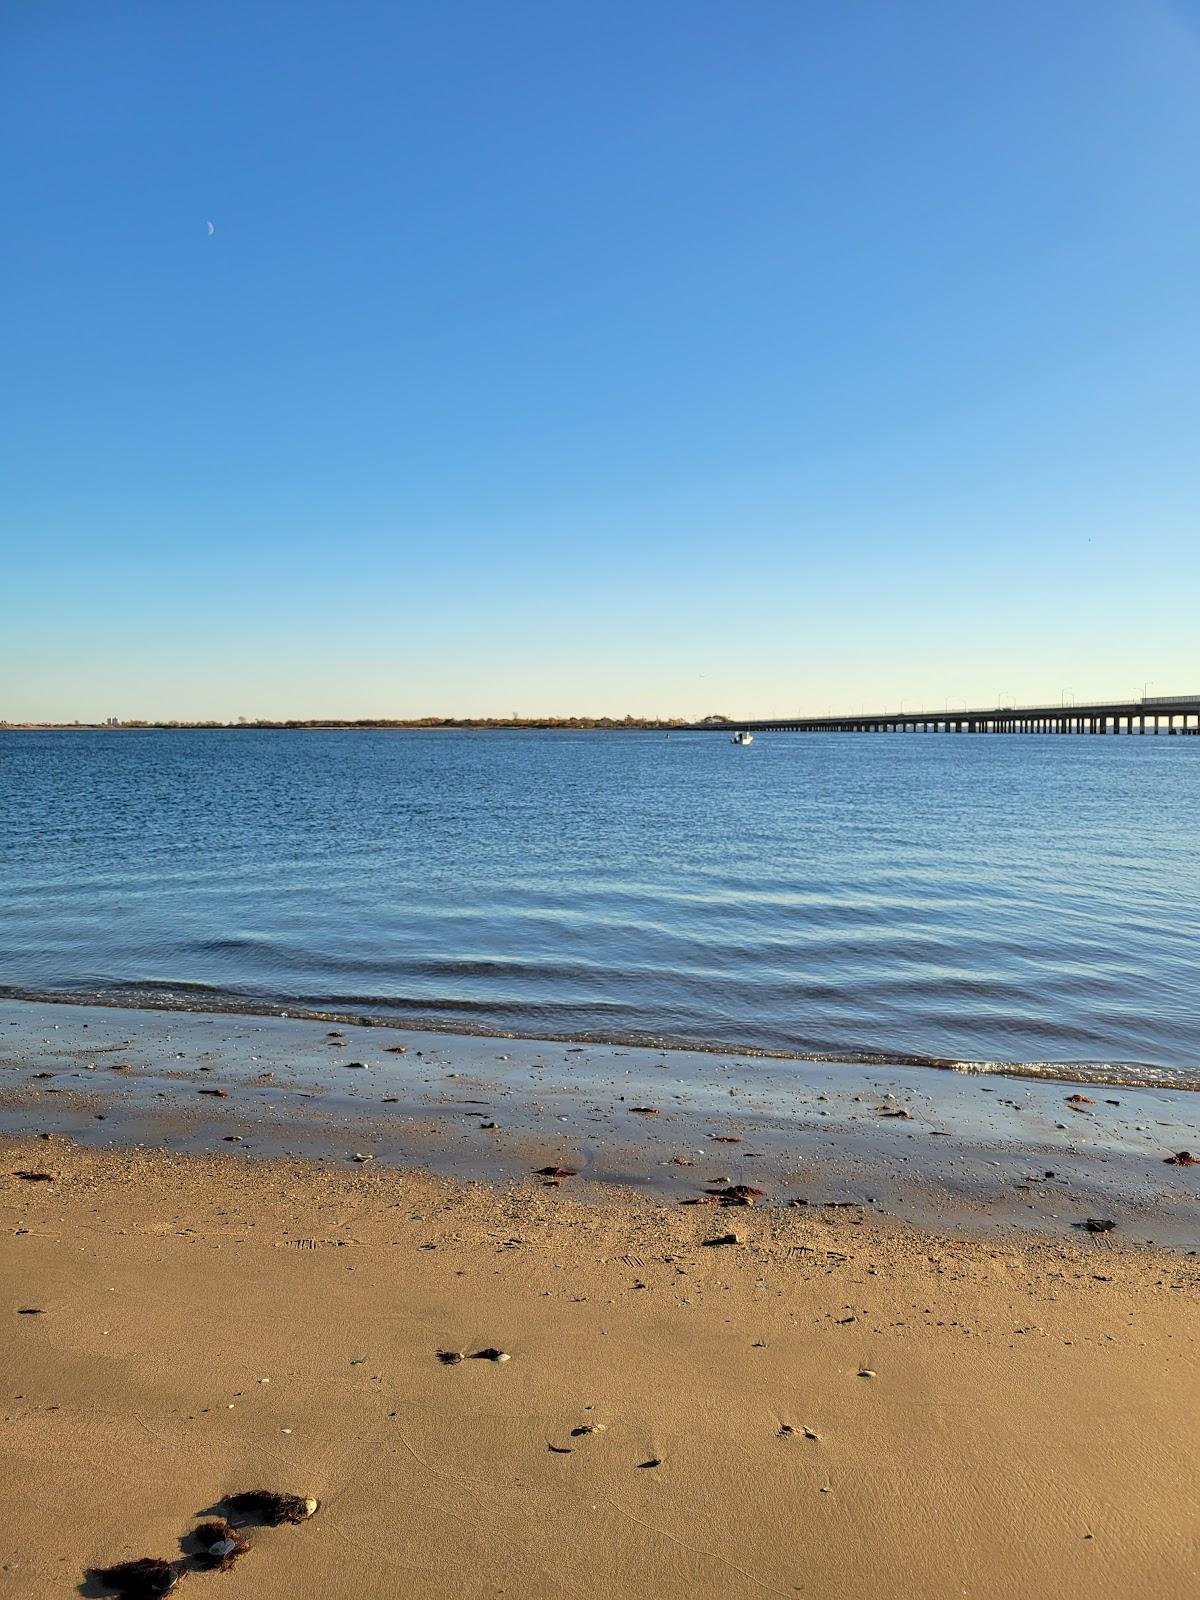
1014	900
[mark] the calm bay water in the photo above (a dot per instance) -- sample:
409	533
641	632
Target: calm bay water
996	899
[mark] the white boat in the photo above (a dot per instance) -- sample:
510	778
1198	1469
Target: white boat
742	738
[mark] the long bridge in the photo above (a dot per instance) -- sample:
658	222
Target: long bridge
1160	714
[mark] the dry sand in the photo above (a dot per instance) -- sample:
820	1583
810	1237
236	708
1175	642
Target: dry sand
205	1325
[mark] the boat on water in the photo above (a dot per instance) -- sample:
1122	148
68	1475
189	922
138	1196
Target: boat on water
742	738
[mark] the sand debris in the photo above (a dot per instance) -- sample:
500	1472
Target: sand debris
29	1311
1079	1100
450	1358
724	1138
589	1427
645	1111
490	1354
358	1156
219	1546
555	1172
866	1372
895	1111
35	1177
1183	1158
142	1579
1097	1224
737	1194
266	1506
220	1094
396	1049
786	1431
560	1449
725	1238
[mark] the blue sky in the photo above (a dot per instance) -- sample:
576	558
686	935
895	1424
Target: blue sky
647	357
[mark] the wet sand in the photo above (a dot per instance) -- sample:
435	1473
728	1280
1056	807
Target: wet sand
976	1154
990	1418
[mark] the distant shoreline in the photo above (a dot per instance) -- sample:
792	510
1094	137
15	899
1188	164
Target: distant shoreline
381	725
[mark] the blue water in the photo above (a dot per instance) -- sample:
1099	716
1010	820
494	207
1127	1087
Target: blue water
1001	898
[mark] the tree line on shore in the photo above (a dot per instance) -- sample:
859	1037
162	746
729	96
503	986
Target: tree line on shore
244	723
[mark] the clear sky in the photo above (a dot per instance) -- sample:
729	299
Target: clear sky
651	356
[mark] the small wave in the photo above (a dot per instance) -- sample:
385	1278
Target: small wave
160	986
1121	1074
155	995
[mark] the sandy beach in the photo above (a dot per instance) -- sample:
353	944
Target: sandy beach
835	1404
599	803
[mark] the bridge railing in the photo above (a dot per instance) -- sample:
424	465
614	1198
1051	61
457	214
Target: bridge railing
1064	710
942	714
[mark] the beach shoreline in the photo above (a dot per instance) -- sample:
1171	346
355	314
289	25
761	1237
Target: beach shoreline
972	1154
200	1000
775	1327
